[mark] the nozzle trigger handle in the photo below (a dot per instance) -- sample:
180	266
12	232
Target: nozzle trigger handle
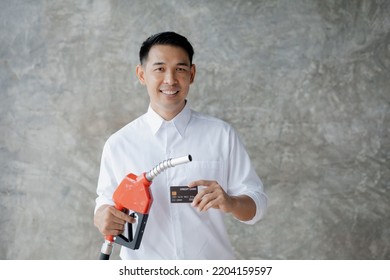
133	241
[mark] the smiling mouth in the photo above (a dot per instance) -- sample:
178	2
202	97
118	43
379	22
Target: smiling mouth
169	92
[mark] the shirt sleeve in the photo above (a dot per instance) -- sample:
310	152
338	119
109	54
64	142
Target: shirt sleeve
107	181
242	178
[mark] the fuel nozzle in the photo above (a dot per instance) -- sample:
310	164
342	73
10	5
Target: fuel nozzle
133	195
164	165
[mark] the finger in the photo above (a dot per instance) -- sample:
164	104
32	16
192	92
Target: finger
112	232
208	200
122	216
211	204
129	219
196	200
117	227
199	197
204	183
112	228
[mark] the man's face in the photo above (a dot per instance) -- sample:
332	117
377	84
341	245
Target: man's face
167	74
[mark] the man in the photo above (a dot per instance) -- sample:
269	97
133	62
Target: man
220	168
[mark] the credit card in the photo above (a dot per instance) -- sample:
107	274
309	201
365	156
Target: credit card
183	194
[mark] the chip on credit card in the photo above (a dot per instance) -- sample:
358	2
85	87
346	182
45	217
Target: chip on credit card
183	194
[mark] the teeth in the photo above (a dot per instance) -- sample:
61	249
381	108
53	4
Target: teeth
169	92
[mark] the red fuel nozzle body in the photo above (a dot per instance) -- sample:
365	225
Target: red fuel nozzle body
133	193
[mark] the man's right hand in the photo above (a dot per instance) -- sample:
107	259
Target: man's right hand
111	221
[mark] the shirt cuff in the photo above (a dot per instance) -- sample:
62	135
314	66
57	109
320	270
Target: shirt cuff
261	201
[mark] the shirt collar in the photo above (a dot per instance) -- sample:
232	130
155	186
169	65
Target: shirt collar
180	122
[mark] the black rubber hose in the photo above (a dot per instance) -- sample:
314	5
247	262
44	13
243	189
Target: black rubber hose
104	256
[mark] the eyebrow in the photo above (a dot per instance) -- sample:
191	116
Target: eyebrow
178	64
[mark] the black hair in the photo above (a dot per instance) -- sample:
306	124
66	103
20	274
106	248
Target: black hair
165	38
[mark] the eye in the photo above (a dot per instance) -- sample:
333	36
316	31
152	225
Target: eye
181	69
158	69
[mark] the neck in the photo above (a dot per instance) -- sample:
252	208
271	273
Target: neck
169	115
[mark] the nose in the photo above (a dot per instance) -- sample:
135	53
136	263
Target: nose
170	77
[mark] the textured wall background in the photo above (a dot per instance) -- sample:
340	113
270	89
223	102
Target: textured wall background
305	82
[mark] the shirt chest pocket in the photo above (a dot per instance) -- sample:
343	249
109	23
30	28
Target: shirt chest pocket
212	170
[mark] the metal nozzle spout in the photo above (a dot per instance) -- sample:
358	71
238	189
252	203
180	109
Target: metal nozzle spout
180	160
164	165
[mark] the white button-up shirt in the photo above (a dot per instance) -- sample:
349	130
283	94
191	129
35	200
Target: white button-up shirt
178	230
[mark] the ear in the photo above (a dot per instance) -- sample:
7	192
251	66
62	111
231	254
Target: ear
193	72
140	71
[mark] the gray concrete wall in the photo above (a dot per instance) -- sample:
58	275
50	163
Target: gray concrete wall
305	82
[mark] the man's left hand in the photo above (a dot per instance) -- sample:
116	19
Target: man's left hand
212	196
